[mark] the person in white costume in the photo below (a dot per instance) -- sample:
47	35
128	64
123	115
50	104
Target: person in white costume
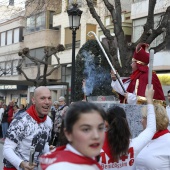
119	151
156	154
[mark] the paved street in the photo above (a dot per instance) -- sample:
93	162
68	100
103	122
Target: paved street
1	164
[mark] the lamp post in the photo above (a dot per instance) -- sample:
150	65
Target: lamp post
74	15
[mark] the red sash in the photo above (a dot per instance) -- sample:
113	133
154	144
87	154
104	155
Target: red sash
160	133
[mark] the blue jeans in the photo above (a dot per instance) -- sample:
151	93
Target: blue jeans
4	128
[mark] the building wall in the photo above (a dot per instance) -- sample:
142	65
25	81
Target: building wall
61	20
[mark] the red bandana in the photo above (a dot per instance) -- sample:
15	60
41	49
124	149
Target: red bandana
62	155
160	133
32	112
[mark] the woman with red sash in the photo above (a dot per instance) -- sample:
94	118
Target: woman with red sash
156	154
84	130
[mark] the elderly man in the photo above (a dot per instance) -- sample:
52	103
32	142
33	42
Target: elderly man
32	130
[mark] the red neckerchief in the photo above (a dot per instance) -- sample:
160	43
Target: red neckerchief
160	133
134	74
62	155
32	112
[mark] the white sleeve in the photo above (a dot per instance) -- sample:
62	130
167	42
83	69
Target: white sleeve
144	137
132	98
9	154
117	87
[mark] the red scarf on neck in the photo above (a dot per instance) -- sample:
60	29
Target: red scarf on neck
160	133
32	112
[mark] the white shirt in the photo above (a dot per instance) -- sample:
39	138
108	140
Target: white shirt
155	155
1	113
132	98
168	112
136	145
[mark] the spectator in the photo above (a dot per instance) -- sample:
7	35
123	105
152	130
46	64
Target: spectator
4	121
84	129
135	85
156	154
168	108
54	109
16	109
32	130
1	115
20	111
10	111
119	151
60	113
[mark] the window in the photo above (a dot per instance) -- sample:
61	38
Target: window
8	68
3	38
40	21
38	53
16	35
36	22
107	20
9	37
14	70
11	2
2	68
51	13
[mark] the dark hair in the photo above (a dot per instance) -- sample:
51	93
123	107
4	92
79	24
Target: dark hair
78	108
16	106
168	91
118	132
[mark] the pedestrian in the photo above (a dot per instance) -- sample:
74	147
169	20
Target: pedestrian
168	108
156	154
32	131
84	130
1	115
59	116
54	109
135	85
20	111
119	150
15	110
4	121
10	112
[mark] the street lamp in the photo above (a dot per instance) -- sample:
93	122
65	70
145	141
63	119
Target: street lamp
74	15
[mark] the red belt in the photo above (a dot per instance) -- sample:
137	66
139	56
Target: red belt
5	168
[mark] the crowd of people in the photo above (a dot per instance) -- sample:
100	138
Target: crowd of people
7	114
84	136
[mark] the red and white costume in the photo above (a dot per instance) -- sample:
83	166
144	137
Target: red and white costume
67	158
135	85
156	154
127	162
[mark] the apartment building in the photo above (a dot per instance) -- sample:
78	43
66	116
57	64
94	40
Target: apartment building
35	31
161	64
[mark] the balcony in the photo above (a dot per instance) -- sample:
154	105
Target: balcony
42	38
31	73
12	48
